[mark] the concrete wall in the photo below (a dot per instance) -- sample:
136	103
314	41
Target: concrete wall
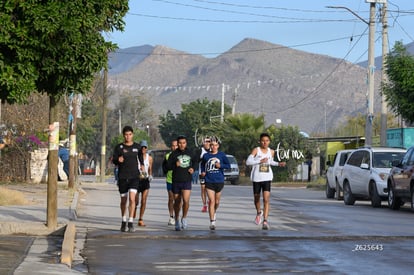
38	166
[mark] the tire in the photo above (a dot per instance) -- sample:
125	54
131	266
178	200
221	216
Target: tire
330	192
373	193
394	203
412	198
349	199
338	191
234	182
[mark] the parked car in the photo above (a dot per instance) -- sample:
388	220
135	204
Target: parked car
401	181
334	174
365	174
232	174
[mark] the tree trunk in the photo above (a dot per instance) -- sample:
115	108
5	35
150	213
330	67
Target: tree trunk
52	164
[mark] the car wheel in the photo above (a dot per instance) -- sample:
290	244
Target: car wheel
412	198
337	191
394	203
348	197
330	192
375	198
234	182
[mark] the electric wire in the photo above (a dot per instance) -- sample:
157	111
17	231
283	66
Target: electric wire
241	51
294	20
317	89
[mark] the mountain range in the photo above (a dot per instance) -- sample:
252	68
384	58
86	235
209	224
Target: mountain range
311	91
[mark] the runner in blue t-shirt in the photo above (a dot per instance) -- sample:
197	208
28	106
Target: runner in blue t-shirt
212	169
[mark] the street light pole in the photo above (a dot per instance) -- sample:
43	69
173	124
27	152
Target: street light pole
371	66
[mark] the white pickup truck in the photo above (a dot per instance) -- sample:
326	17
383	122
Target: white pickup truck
334	174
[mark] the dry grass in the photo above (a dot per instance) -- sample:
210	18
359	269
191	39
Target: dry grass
11	197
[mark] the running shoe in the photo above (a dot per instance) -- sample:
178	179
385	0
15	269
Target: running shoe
204	208
123	227
213	225
184	223
266	225
259	218
131	227
171	221
177	225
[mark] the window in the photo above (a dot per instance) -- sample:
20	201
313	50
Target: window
411	158
356	158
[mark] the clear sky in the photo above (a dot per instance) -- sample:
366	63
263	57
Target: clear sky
211	27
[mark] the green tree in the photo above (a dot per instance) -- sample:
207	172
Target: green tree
54	47
292	147
355	126
399	89
238	133
192	119
136	112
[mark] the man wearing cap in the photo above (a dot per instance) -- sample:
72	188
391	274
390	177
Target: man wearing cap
145	169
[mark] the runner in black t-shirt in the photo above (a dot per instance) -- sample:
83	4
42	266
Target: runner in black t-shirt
126	157
183	164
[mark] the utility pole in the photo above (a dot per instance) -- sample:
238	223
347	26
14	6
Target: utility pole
371	74
104	122
223	90
233	107
384	77
371	65
120	121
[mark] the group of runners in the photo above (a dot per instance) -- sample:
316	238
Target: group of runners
135	174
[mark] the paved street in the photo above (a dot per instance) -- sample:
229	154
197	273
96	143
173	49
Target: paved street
309	234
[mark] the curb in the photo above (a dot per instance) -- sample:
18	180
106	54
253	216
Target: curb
68	245
73	215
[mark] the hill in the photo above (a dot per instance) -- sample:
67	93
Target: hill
313	92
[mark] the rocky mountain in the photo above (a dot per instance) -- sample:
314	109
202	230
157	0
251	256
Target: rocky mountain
313	92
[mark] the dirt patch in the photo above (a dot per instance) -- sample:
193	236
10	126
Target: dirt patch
33	194
11	197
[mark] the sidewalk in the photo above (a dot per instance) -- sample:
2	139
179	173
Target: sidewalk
27	245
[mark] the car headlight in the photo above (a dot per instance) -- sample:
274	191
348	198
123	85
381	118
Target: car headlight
383	176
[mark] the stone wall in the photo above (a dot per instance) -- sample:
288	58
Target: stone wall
38	165
30	167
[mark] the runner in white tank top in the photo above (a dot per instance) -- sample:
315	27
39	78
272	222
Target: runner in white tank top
261	158
261	171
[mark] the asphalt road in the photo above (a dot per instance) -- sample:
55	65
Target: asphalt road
309	234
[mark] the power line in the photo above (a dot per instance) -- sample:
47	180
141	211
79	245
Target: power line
294	20
242	51
311	95
317	90
229	11
258	7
